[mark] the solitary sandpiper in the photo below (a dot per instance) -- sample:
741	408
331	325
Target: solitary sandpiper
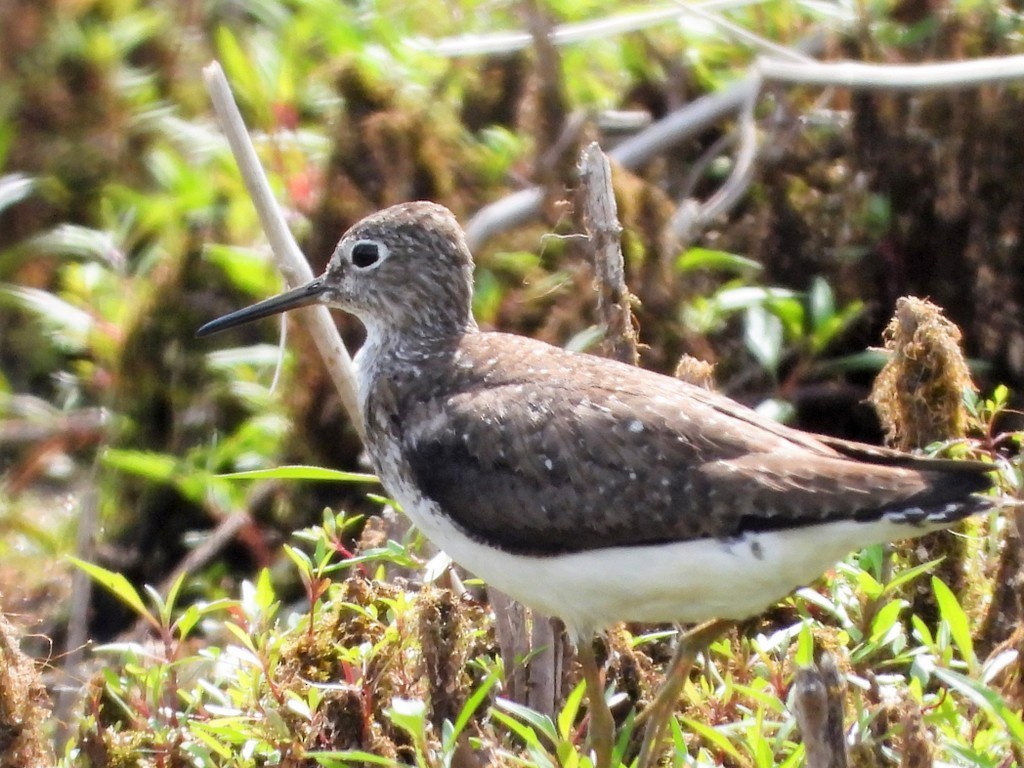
591	490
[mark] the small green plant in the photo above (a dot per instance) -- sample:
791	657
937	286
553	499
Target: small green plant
779	324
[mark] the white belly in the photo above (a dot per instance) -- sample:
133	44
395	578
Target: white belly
685	582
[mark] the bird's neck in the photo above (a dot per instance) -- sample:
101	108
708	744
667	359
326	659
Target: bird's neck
399	353
414	340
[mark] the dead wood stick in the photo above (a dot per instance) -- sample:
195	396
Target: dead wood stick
601	220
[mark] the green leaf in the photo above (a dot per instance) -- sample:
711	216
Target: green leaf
885	619
167	606
986	698
243	637
229	360
69	325
1000	396
393	552
488	294
746	296
238	67
14	187
567	754
904	577
263	595
520	729
923	632
211	740
187	621
119	585
585	339
541	723
301	472
678	737
776	409
247	269
805	646
159	467
821	303
347	758
763	336
765	697
955	618
796	759
624	739
872	559
707	258
713	736
300	559
158	601
567	717
473	703
790	310
410	715
80	242
192	482
870	586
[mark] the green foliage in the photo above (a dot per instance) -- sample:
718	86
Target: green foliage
245	702
778	323
135	243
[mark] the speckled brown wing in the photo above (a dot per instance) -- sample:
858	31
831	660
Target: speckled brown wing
576	453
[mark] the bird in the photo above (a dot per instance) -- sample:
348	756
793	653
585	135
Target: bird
588	489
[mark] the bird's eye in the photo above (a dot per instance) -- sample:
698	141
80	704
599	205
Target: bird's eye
366	253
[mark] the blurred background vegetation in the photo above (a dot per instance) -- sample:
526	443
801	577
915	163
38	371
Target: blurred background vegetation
124	226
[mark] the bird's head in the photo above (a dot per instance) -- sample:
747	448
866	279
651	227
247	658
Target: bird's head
404	269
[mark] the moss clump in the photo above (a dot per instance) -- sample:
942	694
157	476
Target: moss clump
23	710
919	393
696	371
351	714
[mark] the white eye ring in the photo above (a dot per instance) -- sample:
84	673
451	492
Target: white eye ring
367	254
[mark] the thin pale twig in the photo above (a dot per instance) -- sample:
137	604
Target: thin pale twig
290	261
564	34
897	77
689	219
522	206
743	35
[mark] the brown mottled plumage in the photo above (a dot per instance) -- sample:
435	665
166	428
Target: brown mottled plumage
519	457
587	489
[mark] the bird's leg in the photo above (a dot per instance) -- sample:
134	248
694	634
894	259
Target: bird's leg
602	724
676	675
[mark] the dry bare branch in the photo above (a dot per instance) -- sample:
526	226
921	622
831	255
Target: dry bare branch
522	206
601	220
290	261
565	34
818	706
896	77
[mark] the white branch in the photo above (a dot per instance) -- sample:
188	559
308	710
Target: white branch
691	217
564	34
290	261
524	205
743	35
898	77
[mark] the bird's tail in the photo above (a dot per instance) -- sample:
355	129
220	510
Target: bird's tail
940	516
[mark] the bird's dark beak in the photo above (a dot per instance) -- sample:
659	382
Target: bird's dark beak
302	296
